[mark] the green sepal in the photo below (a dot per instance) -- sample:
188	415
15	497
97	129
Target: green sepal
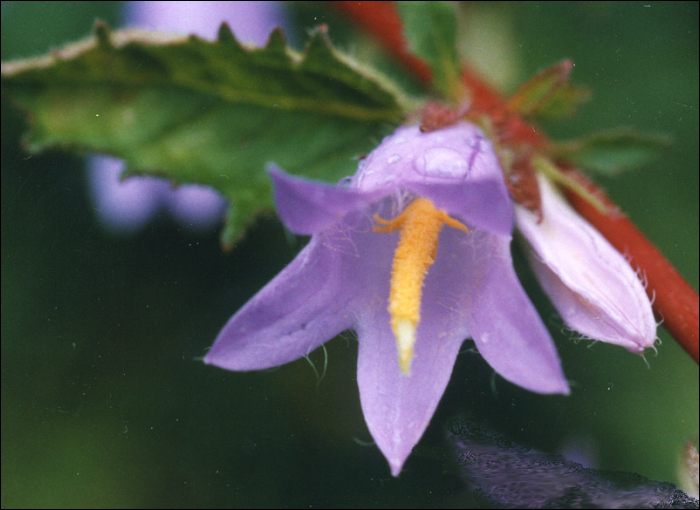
549	94
553	173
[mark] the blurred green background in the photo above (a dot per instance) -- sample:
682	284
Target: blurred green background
104	401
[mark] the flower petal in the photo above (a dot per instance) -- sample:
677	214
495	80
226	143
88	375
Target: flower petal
455	167
484	205
470	290
307	207
592	286
499	316
398	407
301	308
318	295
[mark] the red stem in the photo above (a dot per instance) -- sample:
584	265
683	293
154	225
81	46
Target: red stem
675	301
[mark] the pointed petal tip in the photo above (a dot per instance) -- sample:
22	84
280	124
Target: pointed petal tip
551	384
213	357
216	358
555	383
640	343
279	177
559	388
208	359
396	466
275	171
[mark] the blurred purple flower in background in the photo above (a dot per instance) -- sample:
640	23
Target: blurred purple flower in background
129	205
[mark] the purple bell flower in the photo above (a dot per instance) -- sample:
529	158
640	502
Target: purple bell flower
413	253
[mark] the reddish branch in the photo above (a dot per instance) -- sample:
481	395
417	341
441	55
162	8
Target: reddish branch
675	301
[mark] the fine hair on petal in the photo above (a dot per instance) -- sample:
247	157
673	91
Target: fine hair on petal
338	238
322	375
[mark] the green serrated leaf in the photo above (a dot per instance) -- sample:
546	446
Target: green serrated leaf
549	94
431	31
612	152
205	112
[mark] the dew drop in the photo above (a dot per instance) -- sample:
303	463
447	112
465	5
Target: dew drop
393	159
442	163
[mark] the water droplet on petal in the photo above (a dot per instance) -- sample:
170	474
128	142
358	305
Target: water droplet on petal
393	159
442	163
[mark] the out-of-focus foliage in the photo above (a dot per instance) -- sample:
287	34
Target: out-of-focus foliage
431	31
612	152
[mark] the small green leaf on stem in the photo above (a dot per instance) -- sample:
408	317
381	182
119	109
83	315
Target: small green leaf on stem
612	152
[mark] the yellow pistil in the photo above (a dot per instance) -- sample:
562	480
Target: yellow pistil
420	224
